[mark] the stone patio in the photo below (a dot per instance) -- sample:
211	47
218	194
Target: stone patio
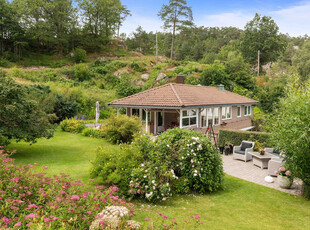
247	171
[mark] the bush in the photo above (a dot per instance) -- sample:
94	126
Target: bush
72	125
34	201
121	129
82	72
92	132
79	55
181	161
64	107
126	88
235	137
4	63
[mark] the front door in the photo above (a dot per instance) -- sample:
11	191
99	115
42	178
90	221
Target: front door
160	122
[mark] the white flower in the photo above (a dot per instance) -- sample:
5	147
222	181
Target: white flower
146	186
188	154
195	171
195	174
147	195
194	154
144	176
199	147
153	181
182	157
168	146
172	171
154	187
142	165
193	166
195	138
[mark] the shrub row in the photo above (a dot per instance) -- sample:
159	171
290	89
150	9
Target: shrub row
116	129
179	161
235	137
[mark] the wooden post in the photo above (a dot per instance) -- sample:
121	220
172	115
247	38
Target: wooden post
198	118
155	122
117	110
258	56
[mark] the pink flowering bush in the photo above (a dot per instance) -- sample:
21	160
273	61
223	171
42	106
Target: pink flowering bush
35	201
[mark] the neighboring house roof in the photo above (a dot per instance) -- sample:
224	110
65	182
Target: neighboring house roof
181	96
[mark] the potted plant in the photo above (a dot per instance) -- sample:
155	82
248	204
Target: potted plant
262	151
285	178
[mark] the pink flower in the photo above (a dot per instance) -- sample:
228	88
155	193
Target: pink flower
276	172
130	204
31	216
75	197
32	206
288	173
1	147
46	220
45	167
147	219
29	224
63	192
165	217
89	212
159	213
91	180
282	169
165	225
18	224
197	217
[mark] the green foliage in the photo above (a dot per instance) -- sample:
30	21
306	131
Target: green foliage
115	167
215	74
92	132
121	128
72	125
21	117
235	137
79	55
64	107
290	127
82	72
302	61
137	67
4	63
262	34
126	88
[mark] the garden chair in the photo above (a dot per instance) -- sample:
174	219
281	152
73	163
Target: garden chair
275	163
243	151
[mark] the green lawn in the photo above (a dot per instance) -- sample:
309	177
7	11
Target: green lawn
241	205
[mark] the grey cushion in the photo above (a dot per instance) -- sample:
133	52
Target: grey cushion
245	145
240	152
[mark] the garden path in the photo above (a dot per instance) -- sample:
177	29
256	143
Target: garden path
247	171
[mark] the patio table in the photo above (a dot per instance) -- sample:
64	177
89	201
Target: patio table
261	160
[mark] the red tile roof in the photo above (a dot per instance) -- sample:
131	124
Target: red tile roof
181	95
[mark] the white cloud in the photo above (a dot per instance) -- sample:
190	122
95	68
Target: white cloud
148	24
294	20
236	19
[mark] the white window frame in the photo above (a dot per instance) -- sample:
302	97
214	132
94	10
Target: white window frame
189	117
224	116
239	115
213	116
246	110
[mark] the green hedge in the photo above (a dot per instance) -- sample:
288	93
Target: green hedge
235	137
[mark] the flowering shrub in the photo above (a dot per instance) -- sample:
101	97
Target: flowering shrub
92	132
34	201
177	162
284	172
182	161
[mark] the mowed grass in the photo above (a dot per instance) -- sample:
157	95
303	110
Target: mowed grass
241	205
64	153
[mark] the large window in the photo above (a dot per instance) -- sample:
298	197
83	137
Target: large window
189	118
239	111
226	113
247	110
210	116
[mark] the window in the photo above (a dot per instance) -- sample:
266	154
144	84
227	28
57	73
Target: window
210	116
216	116
135	112
226	113
189	118
239	111
247	110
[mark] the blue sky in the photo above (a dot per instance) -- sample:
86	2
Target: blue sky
292	17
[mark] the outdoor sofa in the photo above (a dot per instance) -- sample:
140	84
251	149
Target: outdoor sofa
243	151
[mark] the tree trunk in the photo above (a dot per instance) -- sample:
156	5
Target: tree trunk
173	34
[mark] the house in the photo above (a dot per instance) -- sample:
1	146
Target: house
188	106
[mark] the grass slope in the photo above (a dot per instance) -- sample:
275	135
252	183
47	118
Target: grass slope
241	205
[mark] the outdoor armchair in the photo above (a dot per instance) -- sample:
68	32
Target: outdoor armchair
243	151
